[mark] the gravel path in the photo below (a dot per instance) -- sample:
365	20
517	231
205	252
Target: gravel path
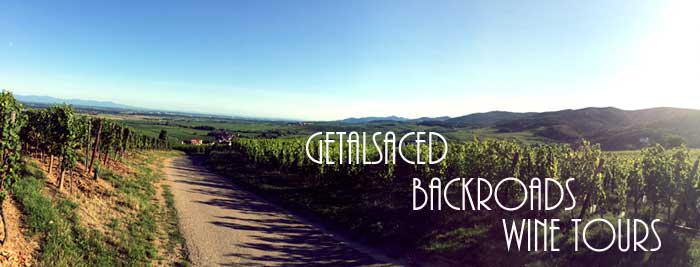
227	226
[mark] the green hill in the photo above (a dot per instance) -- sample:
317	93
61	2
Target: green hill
613	128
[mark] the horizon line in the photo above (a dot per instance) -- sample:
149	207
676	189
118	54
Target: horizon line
129	107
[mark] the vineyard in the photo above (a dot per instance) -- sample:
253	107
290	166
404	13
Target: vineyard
374	201
59	141
59	134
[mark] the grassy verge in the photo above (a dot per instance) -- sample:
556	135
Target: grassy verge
172	227
131	238
139	232
66	243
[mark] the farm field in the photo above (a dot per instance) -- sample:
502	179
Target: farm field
185	128
666	126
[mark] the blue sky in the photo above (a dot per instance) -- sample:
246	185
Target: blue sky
337	59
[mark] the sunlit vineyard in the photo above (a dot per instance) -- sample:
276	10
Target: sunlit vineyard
655	182
667	178
58	133
62	138
374	201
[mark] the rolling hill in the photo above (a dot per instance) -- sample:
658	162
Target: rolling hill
75	102
613	128
373	119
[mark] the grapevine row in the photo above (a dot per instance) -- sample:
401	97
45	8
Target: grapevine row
658	182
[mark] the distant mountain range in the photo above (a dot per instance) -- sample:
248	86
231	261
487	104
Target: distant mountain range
373	119
75	102
613	128
92	105
426	119
392	118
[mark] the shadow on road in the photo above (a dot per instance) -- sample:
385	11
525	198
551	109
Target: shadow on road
274	236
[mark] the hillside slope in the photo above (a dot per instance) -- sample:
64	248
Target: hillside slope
613	128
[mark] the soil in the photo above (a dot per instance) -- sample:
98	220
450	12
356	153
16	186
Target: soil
18	250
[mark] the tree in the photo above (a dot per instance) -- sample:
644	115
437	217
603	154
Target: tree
636	183
674	141
586	164
657	174
163	136
34	133
98	131
10	147
110	138
126	138
684	184
65	138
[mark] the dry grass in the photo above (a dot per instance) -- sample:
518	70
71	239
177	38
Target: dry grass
124	211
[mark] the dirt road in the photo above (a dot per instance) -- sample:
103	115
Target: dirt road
227	226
